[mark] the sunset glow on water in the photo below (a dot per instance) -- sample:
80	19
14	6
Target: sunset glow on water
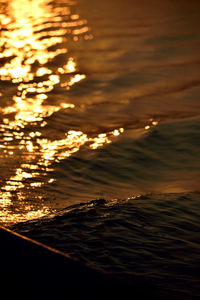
30	44
99	133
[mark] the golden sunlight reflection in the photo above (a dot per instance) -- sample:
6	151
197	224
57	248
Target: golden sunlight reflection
35	63
76	78
70	67
151	124
43	153
9	217
30	110
54	151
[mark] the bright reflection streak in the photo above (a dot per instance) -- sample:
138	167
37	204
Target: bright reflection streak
30	110
76	78
70	67
151	124
33	35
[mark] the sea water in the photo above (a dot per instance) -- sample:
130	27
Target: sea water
99	133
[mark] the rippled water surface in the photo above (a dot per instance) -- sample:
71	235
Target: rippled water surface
100	100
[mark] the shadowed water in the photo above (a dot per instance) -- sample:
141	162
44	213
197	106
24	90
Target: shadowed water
153	237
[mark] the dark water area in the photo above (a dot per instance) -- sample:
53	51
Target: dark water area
154	238
99	133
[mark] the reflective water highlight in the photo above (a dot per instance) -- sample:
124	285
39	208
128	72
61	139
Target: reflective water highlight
30	43
99	100
85	89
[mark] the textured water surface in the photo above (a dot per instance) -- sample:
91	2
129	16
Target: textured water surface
152	237
100	100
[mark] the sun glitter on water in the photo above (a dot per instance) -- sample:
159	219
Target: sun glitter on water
29	43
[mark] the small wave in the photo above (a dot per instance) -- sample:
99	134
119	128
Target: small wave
148	236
